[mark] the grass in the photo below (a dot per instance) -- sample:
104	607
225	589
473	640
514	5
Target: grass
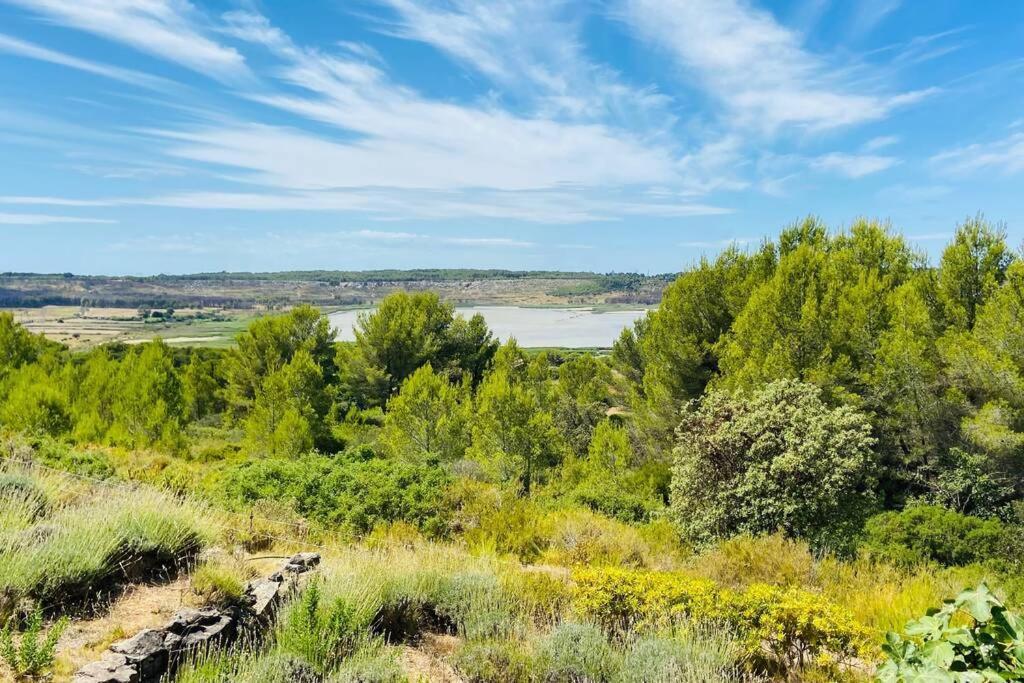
87	541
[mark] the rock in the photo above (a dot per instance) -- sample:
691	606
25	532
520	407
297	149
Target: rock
302	562
147	651
113	668
264	597
194	628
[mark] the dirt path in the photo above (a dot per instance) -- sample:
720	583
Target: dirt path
425	662
140	606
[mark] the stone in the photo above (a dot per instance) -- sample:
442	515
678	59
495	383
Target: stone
302	562
193	628
147	651
113	668
264	595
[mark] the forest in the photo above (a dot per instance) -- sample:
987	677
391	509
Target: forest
806	464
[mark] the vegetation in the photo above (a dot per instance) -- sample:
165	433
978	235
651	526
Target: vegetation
803	447
32	655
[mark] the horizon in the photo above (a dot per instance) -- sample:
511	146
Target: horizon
177	138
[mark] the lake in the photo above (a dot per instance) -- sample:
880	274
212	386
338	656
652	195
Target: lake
565	327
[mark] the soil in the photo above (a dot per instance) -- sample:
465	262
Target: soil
139	606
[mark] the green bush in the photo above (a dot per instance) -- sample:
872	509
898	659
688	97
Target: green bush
778	459
576	652
495	661
926	533
781	630
347	491
33	654
973	637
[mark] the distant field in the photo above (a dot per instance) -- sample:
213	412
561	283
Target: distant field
83	327
227	291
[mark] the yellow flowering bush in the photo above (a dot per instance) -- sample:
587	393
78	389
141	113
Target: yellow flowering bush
782	628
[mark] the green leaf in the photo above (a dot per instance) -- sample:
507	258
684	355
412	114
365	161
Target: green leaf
939	652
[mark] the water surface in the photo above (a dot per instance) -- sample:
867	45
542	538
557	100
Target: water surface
565	327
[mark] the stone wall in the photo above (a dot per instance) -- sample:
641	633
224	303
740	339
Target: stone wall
151	653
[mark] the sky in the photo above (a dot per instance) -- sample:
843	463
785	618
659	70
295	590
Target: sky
169	136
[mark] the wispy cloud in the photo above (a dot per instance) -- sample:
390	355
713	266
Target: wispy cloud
22	48
299	242
853	165
1004	156
169	29
532	48
757	67
44	219
880	142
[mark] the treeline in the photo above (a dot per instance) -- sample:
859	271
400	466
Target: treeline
834	387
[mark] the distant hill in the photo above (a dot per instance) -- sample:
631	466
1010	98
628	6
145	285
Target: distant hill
328	288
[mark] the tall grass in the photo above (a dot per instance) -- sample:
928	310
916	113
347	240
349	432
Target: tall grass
74	544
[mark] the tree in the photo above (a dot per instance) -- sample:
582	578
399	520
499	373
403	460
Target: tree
285	420
148	408
971	270
406	332
35	402
18	346
428	421
778	459
513	438
268	345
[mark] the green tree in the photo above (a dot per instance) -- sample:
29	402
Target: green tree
406	332
18	346
147	410
512	438
285	420
428	421
971	270
35	402
268	345
779	459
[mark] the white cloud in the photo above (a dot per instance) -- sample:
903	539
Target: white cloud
532	48
169	29
22	48
755	66
853	165
880	142
548	206
43	219
1004	156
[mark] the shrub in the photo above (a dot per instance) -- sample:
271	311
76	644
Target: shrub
973	637
743	560
371	664
349	491
220	582
577	653
927	533
702	655
321	630
495	661
33	653
777	459
780	628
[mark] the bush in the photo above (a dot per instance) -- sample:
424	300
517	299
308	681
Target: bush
700	655
220	582
779	459
577	653
33	653
743	560
495	661
971	638
350	491
781	629
371	664
926	533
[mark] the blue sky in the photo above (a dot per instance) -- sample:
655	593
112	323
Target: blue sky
148	136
